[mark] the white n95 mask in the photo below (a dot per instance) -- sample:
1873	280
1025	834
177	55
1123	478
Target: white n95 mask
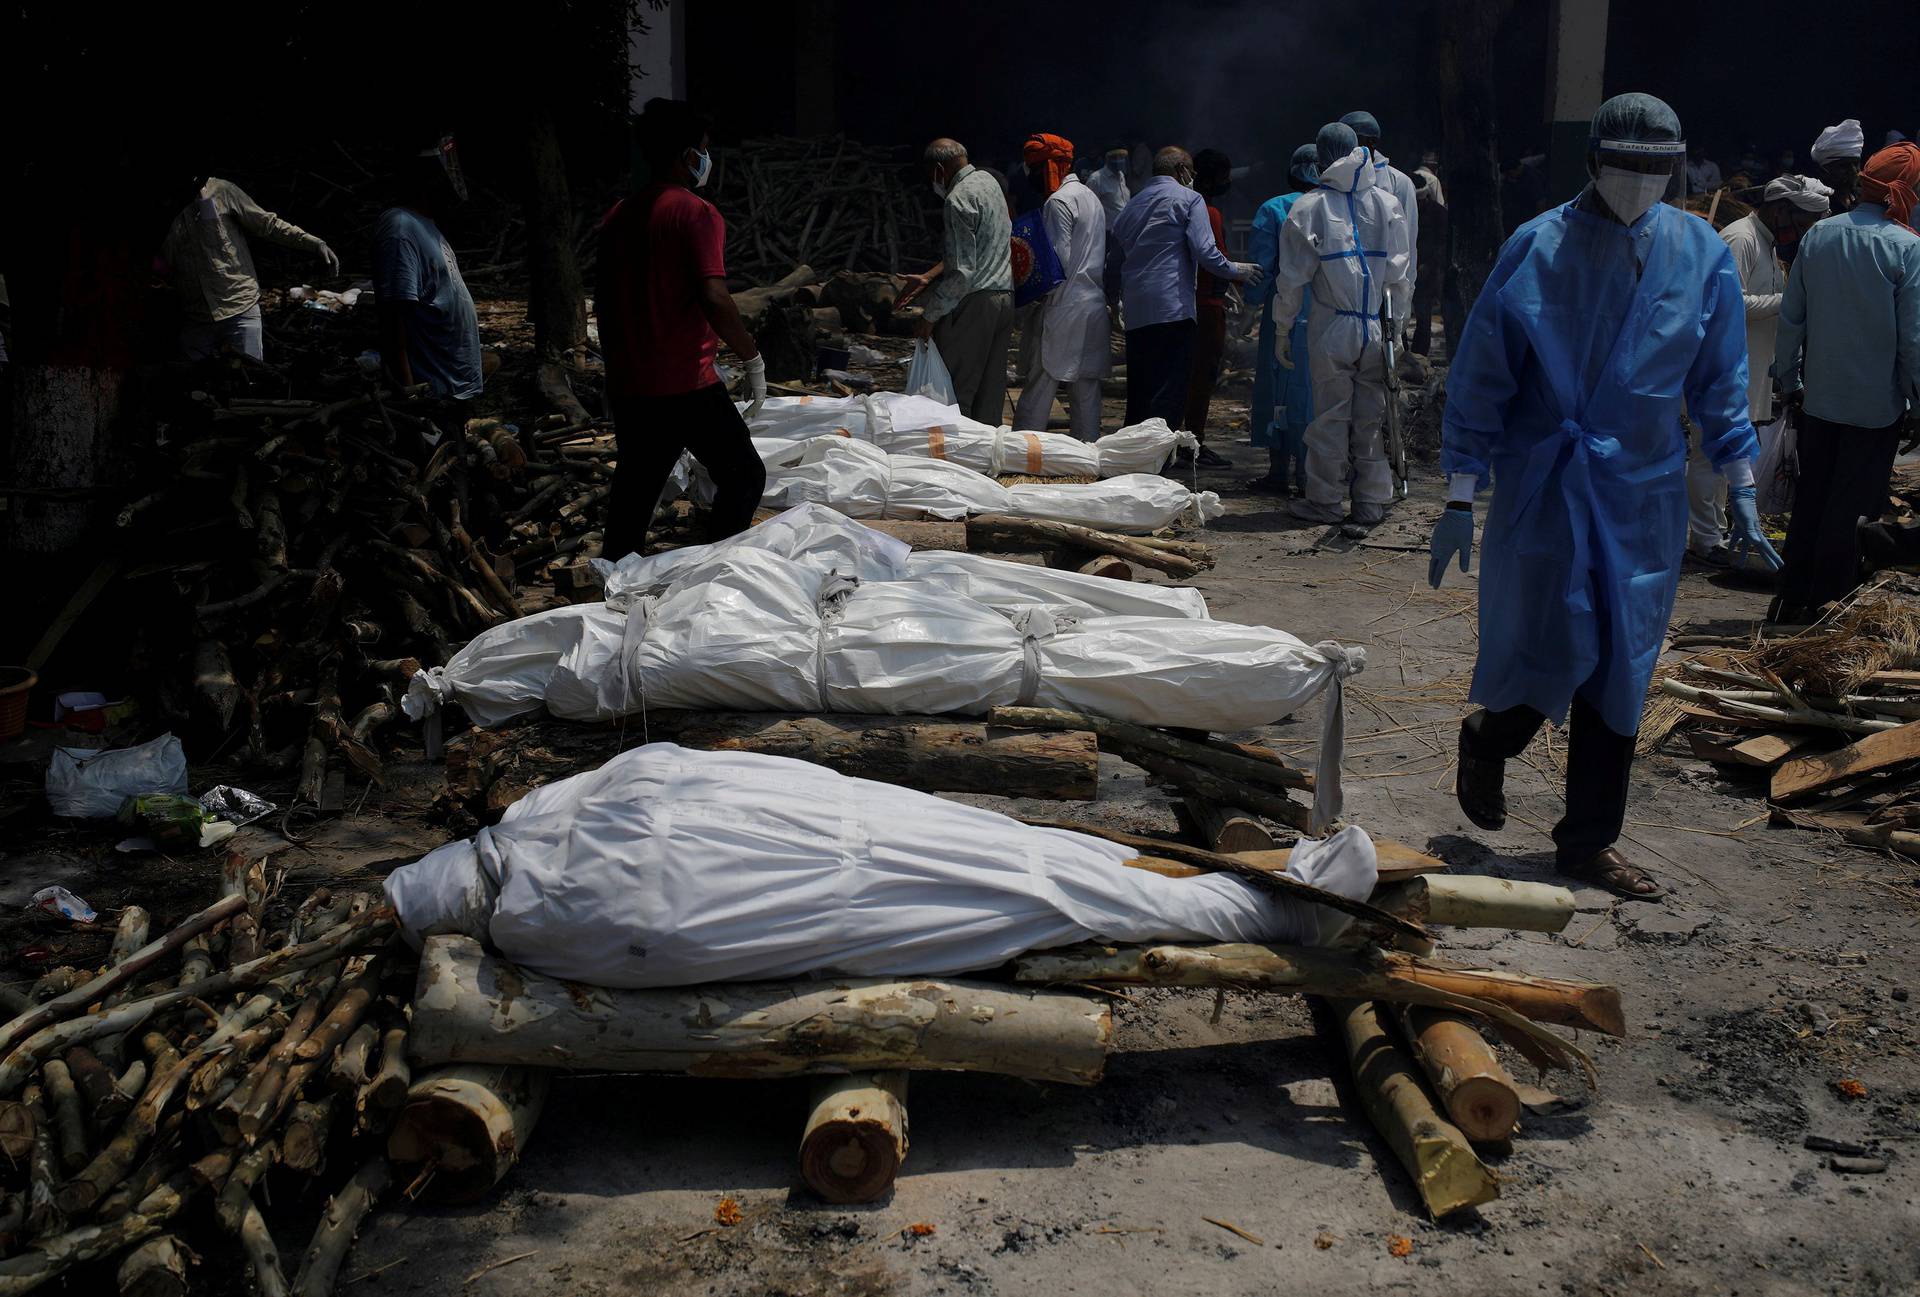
1630	193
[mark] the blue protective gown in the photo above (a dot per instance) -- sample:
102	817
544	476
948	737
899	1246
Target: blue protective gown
1289	388
1586	343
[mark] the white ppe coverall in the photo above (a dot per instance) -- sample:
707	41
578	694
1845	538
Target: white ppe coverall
1349	239
1074	328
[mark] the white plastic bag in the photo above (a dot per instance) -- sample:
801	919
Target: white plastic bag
89	784
927	374
670	867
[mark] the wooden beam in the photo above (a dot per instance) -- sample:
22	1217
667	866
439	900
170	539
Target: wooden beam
1861	757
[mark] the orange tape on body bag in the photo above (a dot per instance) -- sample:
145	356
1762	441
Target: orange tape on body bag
936	443
1036	457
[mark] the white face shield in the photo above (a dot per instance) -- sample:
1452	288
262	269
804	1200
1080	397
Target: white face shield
1632	175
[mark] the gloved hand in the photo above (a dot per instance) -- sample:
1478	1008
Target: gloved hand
332	259
1743	507
1452	535
1251	273
1283	347
755	385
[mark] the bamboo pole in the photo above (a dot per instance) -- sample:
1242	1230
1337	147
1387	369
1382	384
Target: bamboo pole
856	1136
1435	1154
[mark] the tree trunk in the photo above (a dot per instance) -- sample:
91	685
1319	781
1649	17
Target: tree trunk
1468	29
63	417
469	1123
1444	1168
471	1007
556	293
1467	1076
856	1136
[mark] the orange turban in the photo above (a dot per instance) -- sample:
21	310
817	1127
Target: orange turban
1891	176
1056	152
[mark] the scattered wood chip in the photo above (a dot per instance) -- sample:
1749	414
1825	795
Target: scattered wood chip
1651	1255
491	1266
1232	1228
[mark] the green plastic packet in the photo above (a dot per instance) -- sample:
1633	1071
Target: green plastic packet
172	820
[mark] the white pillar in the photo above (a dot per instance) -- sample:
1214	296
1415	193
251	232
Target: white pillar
1576	74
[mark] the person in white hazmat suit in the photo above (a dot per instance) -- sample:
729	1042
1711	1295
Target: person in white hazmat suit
1348	238
1396	182
1073	320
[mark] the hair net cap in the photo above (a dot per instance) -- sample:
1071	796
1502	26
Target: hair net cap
1363	123
1305	164
1335	141
1639	122
1804	192
1846	140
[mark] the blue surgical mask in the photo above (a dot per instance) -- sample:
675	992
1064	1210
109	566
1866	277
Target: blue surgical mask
702	167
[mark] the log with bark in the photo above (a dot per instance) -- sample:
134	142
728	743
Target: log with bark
856	1136
1442	1165
339	1226
1476	901
1228	829
473	1007
463	1127
1465	1073
994	531
157	1268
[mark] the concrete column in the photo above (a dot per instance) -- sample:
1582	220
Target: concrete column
1576	72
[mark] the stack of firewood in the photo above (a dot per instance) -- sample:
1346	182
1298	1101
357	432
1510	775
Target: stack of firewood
187	1068
827	201
301	556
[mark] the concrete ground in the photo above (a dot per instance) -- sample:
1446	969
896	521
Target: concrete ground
1685	1173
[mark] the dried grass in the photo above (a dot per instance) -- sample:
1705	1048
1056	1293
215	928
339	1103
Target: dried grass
1878	631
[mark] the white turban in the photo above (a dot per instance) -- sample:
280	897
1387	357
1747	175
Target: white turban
1804	192
1846	140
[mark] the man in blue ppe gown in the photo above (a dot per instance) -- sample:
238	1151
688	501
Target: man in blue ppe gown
1282	398
1601	321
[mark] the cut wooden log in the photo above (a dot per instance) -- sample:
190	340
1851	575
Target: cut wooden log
1864	756
69	1120
1315	970
43	1165
1201	782
1466	1074
993	531
931	753
263	1256
386	1090
1110	566
1126	738
106	1106
856	1136
237	1192
1436	1155
1476	901
303	1140
338	1227
471	1007
1228	828
348	1070
16	1132
470	1123
112	1163
157	1268
49	1257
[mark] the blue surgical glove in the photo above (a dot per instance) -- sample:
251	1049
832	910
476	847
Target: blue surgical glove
1452	535
1744	507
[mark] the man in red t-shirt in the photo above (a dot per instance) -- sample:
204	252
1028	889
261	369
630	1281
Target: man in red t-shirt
1212	177
664	309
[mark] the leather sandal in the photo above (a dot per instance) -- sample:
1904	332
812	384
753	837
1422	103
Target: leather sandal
1611	870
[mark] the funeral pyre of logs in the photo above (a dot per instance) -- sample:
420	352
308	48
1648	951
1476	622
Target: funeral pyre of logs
251	1058
302	554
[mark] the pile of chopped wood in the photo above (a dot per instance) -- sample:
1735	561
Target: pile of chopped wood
313	540
1825	722
827	201
185	1071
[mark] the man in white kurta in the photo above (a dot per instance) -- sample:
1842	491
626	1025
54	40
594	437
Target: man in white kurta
1789	206
1074	327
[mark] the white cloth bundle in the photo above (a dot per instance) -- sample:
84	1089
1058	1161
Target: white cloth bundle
670	867
820	619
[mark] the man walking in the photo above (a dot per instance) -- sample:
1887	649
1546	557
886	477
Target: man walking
1849	353
1601	320
429	332
969	309
1153	251
211	266
1072	317
664	309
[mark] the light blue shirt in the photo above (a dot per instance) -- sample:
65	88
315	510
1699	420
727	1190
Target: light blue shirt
413	264
979	243
1850	320
1153	249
